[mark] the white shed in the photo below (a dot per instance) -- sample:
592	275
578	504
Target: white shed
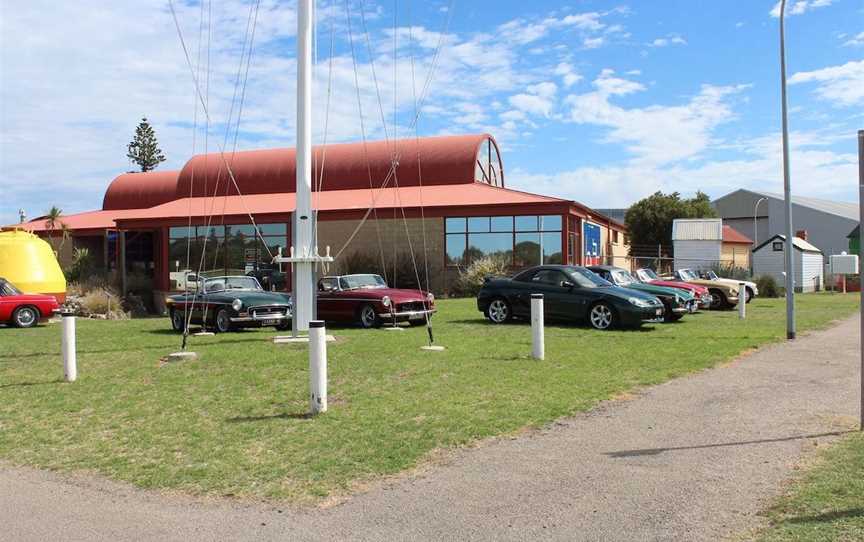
697	242
768	259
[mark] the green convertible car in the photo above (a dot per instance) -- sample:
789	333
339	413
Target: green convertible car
676	301
226	303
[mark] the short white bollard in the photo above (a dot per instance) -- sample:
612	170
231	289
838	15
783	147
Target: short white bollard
538	348
70	364
742	300
317	367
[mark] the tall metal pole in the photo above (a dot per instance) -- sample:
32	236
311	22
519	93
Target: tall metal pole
302	277
787	189
861	259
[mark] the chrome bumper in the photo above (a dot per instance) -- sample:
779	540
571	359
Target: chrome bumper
240	319
406	315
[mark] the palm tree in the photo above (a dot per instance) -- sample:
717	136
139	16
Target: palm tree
53	221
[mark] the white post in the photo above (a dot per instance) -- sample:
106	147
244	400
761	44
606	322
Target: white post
302	276
70	364
538	347
317	367
742	300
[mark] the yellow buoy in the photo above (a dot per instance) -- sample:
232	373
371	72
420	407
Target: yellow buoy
29	263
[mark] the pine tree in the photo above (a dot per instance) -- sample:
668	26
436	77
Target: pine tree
144	148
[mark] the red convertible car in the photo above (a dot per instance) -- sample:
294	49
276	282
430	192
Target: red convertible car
24	310
366	299
702	294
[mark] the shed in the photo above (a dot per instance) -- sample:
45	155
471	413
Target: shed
736	248
697	242
769	259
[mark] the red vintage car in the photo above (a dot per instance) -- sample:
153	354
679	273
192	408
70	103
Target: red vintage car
702	294
366	300
24	310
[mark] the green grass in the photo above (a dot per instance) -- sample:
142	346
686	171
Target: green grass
827	502
232	422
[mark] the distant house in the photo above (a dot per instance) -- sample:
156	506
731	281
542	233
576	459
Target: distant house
826	222
854	240
769	259
703	243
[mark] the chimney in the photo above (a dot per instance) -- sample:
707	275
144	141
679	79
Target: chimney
801	234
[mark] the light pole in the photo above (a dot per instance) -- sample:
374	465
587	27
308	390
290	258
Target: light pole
861	258
787	190
755	223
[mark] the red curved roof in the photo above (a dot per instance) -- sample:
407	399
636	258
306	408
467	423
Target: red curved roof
140	190
442	160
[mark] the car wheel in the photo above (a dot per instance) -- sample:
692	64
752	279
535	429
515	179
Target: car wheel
718	300
498	311
601	316
178	320
368	317
223	321
25	317
748	295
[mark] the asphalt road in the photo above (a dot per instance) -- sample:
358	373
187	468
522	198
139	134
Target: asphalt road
692	459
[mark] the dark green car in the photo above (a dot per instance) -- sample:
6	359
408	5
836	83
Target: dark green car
226	303
677	302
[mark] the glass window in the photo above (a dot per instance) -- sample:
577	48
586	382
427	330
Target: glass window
550	223
456	249
455	225
526	223
526	251
549	276
272	229
502	223
478	224
489	244
552	253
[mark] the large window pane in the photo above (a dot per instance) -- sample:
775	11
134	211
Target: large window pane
552	253
550	223
526	223
502	223
527	250
455	249
455	225
272	229
478	224
489	244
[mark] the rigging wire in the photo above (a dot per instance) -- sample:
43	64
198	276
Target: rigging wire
319	184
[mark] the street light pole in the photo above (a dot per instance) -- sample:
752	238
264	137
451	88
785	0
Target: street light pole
755	223
787	189
860	259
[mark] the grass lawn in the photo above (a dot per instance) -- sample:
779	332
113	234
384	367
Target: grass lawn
827	502
233	422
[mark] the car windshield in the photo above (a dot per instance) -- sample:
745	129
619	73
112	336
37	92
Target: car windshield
686	274
623	277
586	279
711	275
647	275
354	282
8	289
220	284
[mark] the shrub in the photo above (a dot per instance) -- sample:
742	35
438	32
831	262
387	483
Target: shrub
768	286
82	264
471	279
728	271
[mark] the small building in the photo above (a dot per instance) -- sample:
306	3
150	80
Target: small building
769	259
735	251
704	243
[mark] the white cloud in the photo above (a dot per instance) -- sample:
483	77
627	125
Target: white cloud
799	7
842	85
540	99
670	39
568	74
593	43
855	41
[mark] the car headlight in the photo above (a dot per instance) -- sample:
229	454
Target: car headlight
236	304
429	297
639	302
385	301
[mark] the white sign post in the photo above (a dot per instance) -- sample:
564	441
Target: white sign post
742	300
317	367
538	348
70	363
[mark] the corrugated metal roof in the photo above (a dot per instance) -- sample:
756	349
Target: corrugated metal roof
797	242
731	235
843	209
697	229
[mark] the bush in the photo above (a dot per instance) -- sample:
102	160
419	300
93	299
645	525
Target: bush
728	271
471	279
768	286
82	265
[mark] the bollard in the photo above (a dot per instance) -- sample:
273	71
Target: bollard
317	367
742	300
70	364
538	349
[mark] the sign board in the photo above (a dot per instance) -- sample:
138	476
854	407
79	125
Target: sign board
843	264
251	255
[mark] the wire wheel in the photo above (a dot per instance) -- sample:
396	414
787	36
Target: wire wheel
368	317
601	316
25	317
498	311
178	320
223	321
748	295
718	300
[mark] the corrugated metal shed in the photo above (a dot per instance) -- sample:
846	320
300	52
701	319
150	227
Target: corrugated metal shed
697	229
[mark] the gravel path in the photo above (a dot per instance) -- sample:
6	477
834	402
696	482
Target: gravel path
693	459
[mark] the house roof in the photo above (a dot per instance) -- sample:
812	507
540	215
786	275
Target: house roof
797	242
731	235
697	229
843	209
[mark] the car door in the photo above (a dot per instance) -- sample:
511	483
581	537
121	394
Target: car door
328	299
7	303
559	301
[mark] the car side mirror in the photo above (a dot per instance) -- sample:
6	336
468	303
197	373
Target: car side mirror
567	284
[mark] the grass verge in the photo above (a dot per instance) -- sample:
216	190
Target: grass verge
233	422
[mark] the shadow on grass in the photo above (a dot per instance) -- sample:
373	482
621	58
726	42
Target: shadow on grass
557	324
849	513
658	451
270	417
28	384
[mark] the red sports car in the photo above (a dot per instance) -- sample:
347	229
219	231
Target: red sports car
24	310
702	294
366	299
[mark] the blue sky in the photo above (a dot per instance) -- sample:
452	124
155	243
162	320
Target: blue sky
602	102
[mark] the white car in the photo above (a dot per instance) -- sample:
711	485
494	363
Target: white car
750	287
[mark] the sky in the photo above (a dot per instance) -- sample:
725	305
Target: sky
595	101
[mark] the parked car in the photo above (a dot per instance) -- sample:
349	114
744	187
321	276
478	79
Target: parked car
723	296
367	300
649	276
24	310
229	302
570	293
270	277
677	302
751	290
